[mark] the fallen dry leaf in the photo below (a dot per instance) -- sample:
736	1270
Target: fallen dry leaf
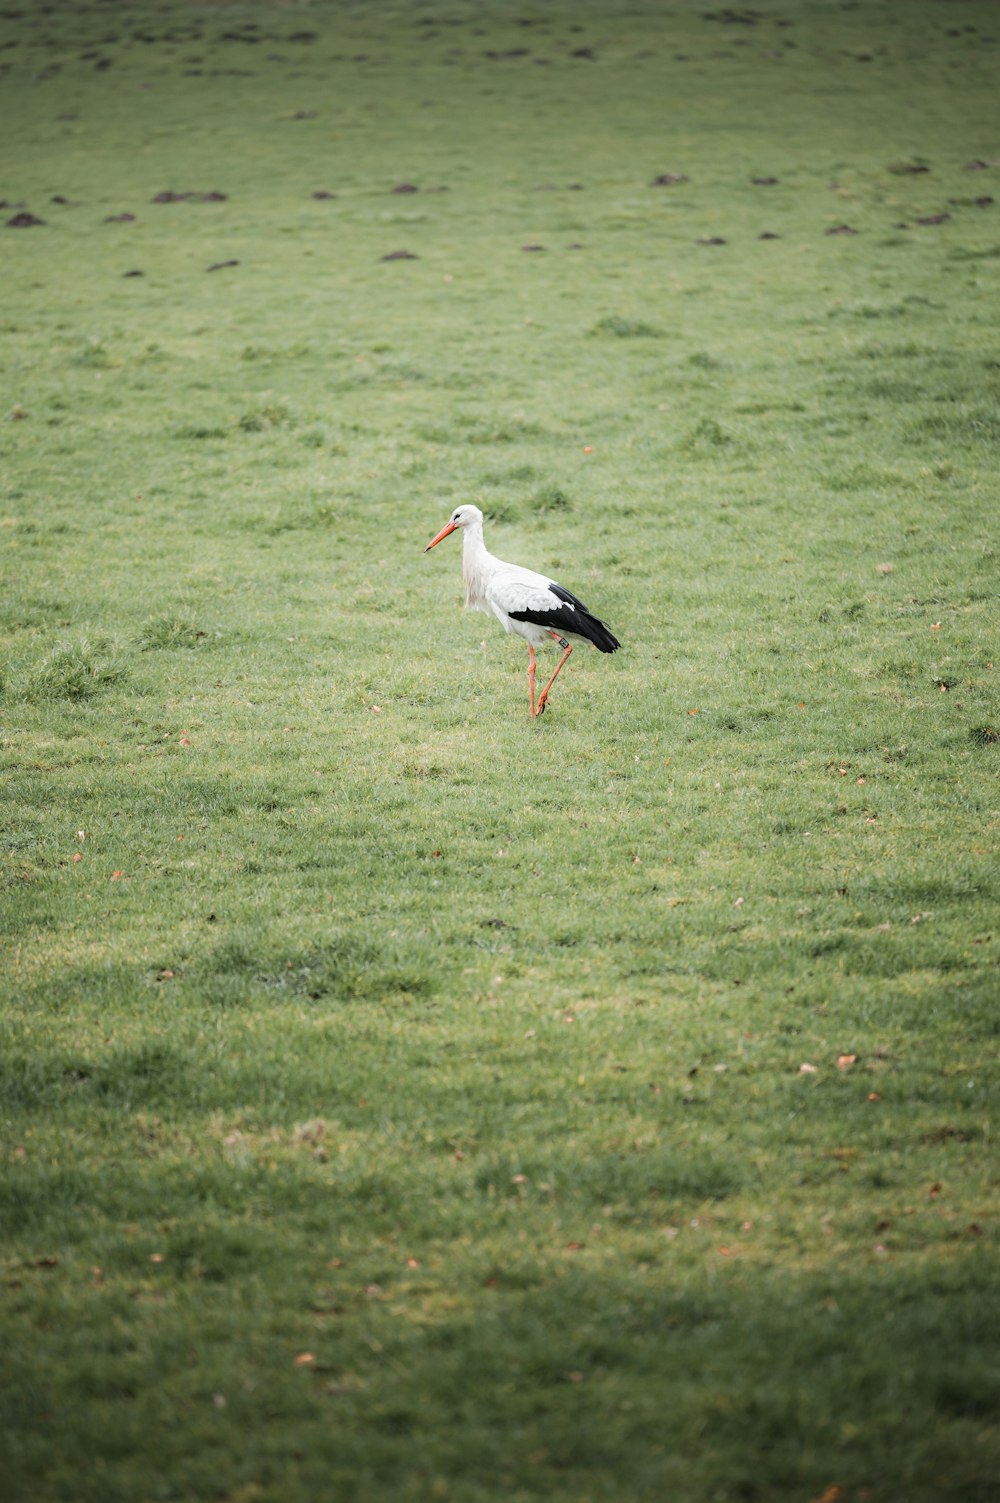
845	1061
304	1359
806	1069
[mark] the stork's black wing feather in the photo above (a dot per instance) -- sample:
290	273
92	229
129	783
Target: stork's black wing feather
573	617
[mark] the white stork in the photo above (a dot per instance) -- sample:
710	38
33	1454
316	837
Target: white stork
530	604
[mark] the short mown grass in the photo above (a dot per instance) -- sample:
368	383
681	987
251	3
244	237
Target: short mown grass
401	1100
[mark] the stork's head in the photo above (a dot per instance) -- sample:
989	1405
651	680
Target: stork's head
462	516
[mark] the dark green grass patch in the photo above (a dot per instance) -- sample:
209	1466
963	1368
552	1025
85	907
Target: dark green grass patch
73	671
401	1099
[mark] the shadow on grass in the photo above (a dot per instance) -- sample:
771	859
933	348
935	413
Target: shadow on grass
763	1384
347	966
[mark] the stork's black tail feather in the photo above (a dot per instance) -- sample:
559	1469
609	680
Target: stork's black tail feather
585	623
595	631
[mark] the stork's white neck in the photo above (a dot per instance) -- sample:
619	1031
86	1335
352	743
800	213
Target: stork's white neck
478	566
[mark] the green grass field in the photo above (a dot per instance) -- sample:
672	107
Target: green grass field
400	1099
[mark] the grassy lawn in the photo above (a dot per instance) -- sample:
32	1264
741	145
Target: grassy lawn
401	1099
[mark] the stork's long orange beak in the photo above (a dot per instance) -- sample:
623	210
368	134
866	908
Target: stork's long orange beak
448	527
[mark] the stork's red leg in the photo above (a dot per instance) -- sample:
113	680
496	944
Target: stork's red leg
543	697
531	677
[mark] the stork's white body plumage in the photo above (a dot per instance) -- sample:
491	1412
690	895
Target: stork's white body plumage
496	588
529	604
